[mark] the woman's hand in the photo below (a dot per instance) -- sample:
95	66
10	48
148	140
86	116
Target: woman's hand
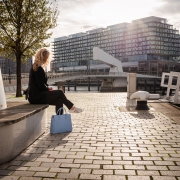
50	88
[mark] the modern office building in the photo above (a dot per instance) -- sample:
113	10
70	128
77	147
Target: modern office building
8	66
149	45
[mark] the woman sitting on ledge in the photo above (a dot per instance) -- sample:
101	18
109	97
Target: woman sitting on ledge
40	92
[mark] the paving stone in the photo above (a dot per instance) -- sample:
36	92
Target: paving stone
38	169
68	175
39	155
172	158
113	177
9	177
112	143
139	178
75	156
112	158
91	166
143	162
93	157
23	173
176	168
80	171
123	162
90	176
152	158
85	153
131	158
50	165
125	172
59	170
170	163
17	168
34	164
15	163
64	160
170	173
134	167
30	178
6	172
156	167
163	178
147	173
81	161
66	165
45	174
104	171
25	158
102	162
45	159
112	167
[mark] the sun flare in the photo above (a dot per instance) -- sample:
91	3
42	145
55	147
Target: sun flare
116	11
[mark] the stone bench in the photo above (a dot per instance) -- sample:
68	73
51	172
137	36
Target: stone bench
20	125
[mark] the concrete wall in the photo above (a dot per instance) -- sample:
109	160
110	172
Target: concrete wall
14	138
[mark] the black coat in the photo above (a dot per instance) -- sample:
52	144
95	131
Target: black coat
37	83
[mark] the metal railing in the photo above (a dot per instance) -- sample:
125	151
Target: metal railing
70	74
85	73
13	76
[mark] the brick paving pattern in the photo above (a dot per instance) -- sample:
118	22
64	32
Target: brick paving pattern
106	144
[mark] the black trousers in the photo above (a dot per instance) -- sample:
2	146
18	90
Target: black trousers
55	97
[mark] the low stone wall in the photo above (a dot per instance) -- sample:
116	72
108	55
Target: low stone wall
20	125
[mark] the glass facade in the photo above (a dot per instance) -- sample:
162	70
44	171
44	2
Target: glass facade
157	67
150	38
8	66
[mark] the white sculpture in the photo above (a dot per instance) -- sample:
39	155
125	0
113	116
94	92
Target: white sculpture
3	104
115	68
100	55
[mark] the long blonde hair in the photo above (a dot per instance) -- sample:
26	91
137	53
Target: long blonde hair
41	58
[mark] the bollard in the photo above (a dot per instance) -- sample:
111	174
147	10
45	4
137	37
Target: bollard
142	97
142	105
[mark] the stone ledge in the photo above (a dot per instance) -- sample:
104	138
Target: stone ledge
18	111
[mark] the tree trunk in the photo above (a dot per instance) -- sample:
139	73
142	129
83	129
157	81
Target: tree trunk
18	73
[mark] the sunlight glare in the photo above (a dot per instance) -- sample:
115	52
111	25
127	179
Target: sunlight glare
117	11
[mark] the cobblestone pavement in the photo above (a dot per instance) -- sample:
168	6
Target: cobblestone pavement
106	144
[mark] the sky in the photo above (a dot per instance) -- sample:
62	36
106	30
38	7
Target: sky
82	15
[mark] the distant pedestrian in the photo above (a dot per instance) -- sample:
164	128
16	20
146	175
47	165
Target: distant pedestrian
39	90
